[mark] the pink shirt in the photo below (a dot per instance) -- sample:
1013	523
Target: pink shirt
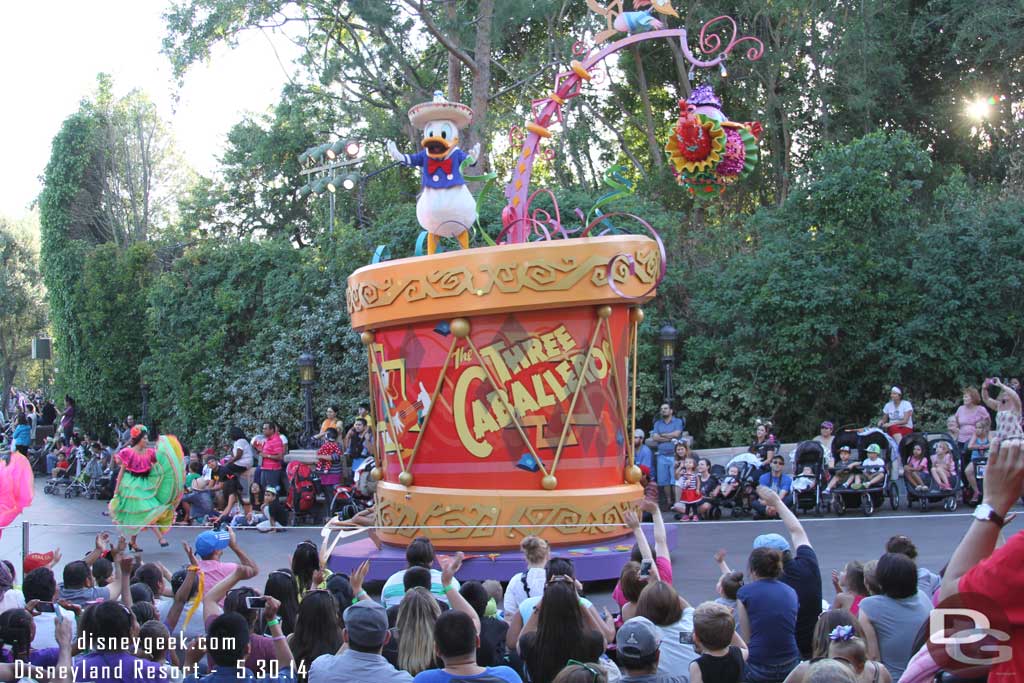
664	571
271	446
215	571
968	418
918	464
135	462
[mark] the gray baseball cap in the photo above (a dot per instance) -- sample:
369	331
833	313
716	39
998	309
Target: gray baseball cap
638	637
366	623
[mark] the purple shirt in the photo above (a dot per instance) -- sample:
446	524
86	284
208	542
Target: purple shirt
968	419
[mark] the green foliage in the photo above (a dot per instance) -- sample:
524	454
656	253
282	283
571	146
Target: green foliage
22	313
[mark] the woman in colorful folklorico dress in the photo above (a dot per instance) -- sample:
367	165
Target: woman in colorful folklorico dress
149	486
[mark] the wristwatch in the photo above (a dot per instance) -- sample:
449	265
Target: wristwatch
985	513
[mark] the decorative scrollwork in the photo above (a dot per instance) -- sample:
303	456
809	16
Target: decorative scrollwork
710	43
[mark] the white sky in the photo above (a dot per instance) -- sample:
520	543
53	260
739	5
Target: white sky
51	52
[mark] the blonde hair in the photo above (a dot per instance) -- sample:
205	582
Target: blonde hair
942	448
416	618
535	549
853	650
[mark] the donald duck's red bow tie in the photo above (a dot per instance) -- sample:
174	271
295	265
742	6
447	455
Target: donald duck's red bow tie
434	165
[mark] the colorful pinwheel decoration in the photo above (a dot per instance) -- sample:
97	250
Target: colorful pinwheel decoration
707	150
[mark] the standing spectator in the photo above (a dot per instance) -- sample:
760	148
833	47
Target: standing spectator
530	583
778	482
365	634
272	448
767	611
242	463
763	439
800	569
979	571
49	413
456	641
664	434
33	419
419	553
892	619
897	415
638	646
967	417
22	436
1007	407
125	435
67	420
642	455
330	422
825	438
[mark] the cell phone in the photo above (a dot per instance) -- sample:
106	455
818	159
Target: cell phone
46	607
255	602
645	569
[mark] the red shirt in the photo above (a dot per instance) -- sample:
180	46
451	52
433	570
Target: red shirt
329	448
1000	578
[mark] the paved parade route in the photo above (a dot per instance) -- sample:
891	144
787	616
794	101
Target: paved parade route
836	540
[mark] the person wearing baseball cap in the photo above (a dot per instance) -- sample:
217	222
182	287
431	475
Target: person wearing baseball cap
873	465
365	634
638	647
210	546
897	416
800	568
642	455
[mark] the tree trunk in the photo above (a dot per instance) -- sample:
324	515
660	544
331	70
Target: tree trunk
682	69
482	78
454	65
645	100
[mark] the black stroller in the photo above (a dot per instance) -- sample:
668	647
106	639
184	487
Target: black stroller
929	442
869	498
808	454
738	502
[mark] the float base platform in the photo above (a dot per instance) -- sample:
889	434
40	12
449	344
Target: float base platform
593	562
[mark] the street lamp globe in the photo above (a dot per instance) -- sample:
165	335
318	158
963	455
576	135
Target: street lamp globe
668	337
349	183
352	149
307	368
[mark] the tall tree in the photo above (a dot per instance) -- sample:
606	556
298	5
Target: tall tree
22	312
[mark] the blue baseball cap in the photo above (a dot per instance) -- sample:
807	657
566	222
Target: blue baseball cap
209	542
773	541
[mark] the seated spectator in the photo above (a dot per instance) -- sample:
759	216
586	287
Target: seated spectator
456	637
231	634
198	501
308	568
560	629
981	572
850	587
943	467
107	628
530	583
660	553
582	672
330	465
632	585
415	577
838	621
673	616
281	586
873	467
40	588
830	671
491	650
638	647
16	632
928	582
419	553
916	469
779	482
845	475
10	597
767	610
723	652
891	619
275	512
365	634
154	641
558	569
209	548
848	648
729	584
317	630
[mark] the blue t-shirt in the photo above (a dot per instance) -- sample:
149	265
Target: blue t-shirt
783	482
771	608
676	424
22	435
643	456
492	674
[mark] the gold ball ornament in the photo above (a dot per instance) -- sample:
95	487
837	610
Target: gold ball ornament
604	311
405	478
376	474
636	314
633	474
549	482
460	328
367	338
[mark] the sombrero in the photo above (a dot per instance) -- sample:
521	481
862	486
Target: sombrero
440	109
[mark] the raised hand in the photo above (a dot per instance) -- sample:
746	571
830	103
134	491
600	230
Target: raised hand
191	554
273	604
647	505
720	556
631	520
393	151
449	567
1004	477
358	576
474	153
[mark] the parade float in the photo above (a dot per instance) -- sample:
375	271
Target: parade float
504	377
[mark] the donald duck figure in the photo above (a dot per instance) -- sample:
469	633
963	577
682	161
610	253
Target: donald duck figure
445	208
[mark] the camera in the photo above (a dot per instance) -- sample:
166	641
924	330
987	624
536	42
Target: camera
253	602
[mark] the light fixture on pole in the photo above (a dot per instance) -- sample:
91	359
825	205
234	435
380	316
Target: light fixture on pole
668	337
144	390
307	378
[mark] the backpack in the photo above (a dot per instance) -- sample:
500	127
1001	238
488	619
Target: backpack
301	489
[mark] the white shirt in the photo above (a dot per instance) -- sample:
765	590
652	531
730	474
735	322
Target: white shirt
248	458
868	464
46	634
677	645
897	412
13	599
536	578
394	588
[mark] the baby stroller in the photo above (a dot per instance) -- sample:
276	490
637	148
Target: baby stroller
924	499
738	502
306	497
350	500
808	454
870	498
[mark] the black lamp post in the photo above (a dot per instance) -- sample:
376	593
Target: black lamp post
144	390
307	378
668	337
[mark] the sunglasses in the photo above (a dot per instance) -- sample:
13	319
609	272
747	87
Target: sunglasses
594	670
